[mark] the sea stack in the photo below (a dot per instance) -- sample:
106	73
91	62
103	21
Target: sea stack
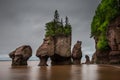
77	53
21	55
57	42
45	50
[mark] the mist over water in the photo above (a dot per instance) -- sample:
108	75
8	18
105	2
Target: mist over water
63	72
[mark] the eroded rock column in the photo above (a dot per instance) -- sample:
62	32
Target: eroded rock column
77	53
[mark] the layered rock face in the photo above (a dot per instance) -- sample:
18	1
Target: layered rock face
45	50
62	50
57	48
111	55
100	56
87	59
113	36
21	55
77	53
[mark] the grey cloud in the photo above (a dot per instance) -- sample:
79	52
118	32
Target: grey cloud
23	21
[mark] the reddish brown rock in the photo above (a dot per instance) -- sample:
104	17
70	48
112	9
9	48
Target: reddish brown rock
62	54
77	53
113	36
94	59
87	59
58	48
100	56
21	55
45	50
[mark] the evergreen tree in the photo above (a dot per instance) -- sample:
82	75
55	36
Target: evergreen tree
56	16
66	21
61	21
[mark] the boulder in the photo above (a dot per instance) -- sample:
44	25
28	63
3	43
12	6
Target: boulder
77	53
21	55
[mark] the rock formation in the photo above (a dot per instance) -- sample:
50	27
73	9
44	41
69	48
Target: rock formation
45	50
111	55
57	42
94	59
62	50
87	59
100	56
21	55
105	28
77	53
113	36
57	48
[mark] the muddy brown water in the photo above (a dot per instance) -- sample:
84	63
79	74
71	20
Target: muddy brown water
64	72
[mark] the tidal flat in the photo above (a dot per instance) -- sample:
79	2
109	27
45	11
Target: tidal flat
61	72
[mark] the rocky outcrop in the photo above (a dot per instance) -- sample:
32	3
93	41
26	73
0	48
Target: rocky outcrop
62	54
77	53
111	55
45	50
100	56
57	48
113	36
94	59
21	55
87	59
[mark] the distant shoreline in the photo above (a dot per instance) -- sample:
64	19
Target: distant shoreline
11	60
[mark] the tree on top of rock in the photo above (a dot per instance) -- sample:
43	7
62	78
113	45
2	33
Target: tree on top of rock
56	27
56	16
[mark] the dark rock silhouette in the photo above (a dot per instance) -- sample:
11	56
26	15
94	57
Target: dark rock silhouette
87	59
113	36
77	53
21	55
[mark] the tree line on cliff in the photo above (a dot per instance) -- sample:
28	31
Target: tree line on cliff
105	13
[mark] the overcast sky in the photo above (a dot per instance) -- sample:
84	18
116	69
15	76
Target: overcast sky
22	22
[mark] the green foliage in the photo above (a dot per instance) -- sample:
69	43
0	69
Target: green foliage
102	43
56	28
105	13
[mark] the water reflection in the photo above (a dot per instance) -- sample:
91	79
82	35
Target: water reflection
89	72
19	73
54	73
65	72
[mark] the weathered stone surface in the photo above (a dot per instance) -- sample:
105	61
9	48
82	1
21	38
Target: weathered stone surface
100	57
21	55
58	48
77	53
62	54
45	50
63	46
87	59
113	36
94	59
